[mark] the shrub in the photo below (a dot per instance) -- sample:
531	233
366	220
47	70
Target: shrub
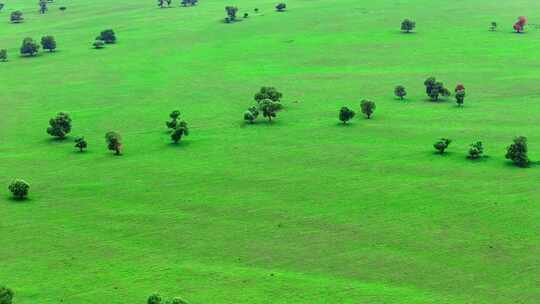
81	143
180	130
19	188
6	295
281	7
476	150
60	125
114	142
107	36
99	44
29	47
251	115
3	55
435	88
268	93
517	152
346	114
48	43
16	17
442	144
367	107
400	92
407	25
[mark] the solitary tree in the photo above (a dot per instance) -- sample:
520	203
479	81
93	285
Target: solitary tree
6	295
81	143
48	43
174	119
400	91
367	107
407	25
180	130
154	299
517	152
460	97
29	47
16	17
114	142
42	6
188	2
435	88
3	55
493	26
251	115
519	26
346	114
107	36
60	125
19	188
269	108
442	144
268	93
231	13
281	7
476	150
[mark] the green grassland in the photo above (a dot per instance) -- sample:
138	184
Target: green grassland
303	210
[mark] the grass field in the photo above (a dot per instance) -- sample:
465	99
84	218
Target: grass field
304	210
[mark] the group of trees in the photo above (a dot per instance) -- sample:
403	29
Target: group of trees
268	104
105	37
157	299
435	89
232	12
163	3
367	107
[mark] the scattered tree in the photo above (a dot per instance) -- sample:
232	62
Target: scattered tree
29	47
189	2
107	36
435	88
476	150
400	91
99	44
48	43
268	93
442	144
246	15
251	115
231	13
517	152
62	8
256	10
174	119
519	26
493	26
81	143
60	125
407	25
154	299
19	188
42	6
16	17
281	7
367	107
346	114
460	97
6	295
3	55
114	142
269	108
180	130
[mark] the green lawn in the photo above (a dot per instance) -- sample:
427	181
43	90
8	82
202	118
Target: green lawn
304	210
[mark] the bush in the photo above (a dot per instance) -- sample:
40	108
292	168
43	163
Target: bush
29	47
16	17
3	55
517	152
107	36
281	7
476	150
99	44
6	295
442	144
48	43
367	107
346	114
19	188
400	92
407	25
60	125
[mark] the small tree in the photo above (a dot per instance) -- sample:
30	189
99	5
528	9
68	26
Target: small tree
460	97
400	92
367	107
98	44
174	119
60	125
19	188
435	88
442	144
407	25
3	55
188	2
154	299
493	26
346	114
231	13
251	115
48	43
114	142
517	152
81	143
107	36
16	17
281	7
42	6
476	150
269	108
246	15
180	130
6	295
268	93
519	26
29	47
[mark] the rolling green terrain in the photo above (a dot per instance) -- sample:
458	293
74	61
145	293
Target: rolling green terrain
303	210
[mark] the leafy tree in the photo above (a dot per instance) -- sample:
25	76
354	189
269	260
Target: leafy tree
99	44
460	97
442	144
400	91
16	17
29	47
42	6
476	150
6	295
107	36
231	13
268	93
367	107
60	125
81	143
435	88
114	142
281	7
174	119
251	115
517	152
19	188
269	108
180	130
407	25
48	43
493	26
3	55
154	299
346	114
189	2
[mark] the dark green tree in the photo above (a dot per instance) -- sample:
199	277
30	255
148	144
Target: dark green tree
60	125
493	26
442	144
29	47
517	152
180	130
407	25
1	6
174	119
268	93
460	97
400	91
48	43
6	295
269	108
367	107
251	115
107	36
476	150
114	142
81	144
42	6
3	55
435	88
346	114
19	188
154	299
281	7
231	13
16	17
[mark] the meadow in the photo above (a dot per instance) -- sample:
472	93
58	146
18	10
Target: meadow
302	210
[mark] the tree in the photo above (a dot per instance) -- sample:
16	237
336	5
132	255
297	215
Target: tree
6	295
268	93
180	130
517	152
60	125
19	188
251	115
442	144
460	97
174	119
269	108
62	8
1	6
476	150
114	142
281	7
3	55
367	107
154	299
16	17
246	15
168	2
81	143
519	26
493	26
98	44
107	36
346	114
189	2
231	13
256	10
42	6
29	47
400	91
176	301
434	89
407	25
48	43
161	3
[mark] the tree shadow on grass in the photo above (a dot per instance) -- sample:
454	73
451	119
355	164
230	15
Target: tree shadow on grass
17	200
